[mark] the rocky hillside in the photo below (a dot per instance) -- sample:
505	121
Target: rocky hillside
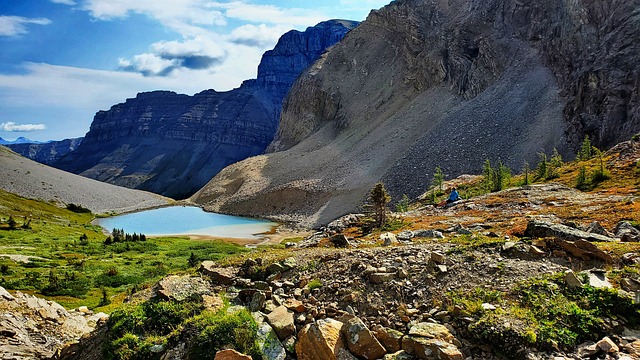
46	153
172	144
425	83
30	179
536	272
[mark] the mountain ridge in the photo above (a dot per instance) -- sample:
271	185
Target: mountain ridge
172	144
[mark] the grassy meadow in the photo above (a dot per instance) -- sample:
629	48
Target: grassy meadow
57	253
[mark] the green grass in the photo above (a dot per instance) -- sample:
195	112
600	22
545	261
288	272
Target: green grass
135	329
545	313
72	271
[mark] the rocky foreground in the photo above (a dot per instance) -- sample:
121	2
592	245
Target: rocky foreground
34	328
397	295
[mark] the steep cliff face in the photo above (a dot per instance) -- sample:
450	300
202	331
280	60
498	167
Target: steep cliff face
172	144
46	153
449	83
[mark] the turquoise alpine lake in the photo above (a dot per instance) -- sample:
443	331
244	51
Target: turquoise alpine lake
186	220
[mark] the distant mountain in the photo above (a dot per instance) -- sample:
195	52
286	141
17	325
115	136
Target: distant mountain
172	144
45	152
20	140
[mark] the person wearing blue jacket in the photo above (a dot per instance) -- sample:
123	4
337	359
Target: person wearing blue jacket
454	196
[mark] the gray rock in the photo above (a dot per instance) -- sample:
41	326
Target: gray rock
268	342
431	234
627	232
571	279
388	238
596	228
543	229
218	275
598	279
405	235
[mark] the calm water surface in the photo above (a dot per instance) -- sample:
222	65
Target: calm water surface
186	220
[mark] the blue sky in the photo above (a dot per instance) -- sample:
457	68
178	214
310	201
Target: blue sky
63	60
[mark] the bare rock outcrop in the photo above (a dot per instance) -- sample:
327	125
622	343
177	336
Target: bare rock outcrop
35	328
423	83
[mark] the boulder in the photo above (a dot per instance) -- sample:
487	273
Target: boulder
388	238
438	258
180	288
596	228
281	319
405	235
231	355
607	345
627	232
320	341
218	275
361	341
571	279
269	344
340	240
431	341
599	280
389	338
543	229
584	250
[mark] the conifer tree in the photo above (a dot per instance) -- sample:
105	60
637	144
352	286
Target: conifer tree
378	200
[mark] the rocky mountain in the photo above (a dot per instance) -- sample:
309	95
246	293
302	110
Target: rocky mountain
27	178
426	83
172	144
45	153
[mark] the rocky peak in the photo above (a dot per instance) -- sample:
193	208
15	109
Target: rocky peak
296	51
172	144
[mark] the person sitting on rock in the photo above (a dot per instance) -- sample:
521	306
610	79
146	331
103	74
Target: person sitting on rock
453	197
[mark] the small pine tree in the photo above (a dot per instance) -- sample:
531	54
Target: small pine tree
379	198
586	150
105	298
601	173
108	240
500	177
581	180
403	204
84	239
542	168
487	173
12	223
193	260
526	170
554	164
438	178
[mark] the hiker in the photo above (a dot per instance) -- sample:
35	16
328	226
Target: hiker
453	196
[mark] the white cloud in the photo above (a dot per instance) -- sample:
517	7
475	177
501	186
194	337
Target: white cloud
64	2
17	25
13	127
261	36
182	16
270	14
